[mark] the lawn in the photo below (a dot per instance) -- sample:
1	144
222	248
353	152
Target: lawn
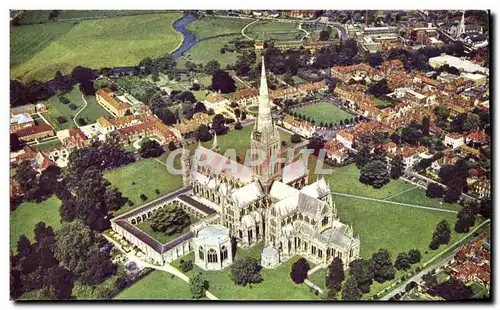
118	41
47	145
143	177
56	109
346	180
323	112
276	284
417	196
273	30
157	285
381	103
28	214
207	50
318	278
213	26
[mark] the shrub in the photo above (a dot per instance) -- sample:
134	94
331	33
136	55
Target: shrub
143	197
130	203
299	270
63	100
72	106
186	265
157	191
61	119
81	121
238	126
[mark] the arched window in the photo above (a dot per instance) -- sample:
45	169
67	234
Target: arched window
223	253
212	256
201	254
324	221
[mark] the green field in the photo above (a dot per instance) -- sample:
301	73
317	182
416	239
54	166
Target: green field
323	112
161	237
47	145
56	109
209	49
157	285
382	104
148	175
276	284
318	278
28	214
118	41
417	196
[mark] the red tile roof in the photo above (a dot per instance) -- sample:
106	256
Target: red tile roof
34	130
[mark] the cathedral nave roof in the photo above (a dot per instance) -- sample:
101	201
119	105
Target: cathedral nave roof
248	193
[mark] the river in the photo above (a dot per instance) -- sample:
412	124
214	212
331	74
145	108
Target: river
189	39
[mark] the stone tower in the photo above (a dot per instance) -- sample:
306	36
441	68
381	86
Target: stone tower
265	138
461	26
186	167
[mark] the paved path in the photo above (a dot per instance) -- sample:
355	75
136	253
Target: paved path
242	82
74	118
393	202
244	28
166	268
418	277
310	284
397	194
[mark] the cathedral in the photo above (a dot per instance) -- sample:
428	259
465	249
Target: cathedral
270	202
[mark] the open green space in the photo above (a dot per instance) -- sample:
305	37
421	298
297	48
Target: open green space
480	291
381	103
142	177
47	145
323	112
417	196
157	285
318	278
274	30
42	16
28	214
56	109
276	284
118	41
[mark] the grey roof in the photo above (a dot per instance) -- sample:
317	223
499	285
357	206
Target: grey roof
269	251
22	108
198	205
213	234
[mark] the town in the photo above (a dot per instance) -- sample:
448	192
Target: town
383	118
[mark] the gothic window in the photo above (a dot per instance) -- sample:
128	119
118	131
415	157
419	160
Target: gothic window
201	254
313	250
223	253
313	222
212	256
300	216
320	253
324	221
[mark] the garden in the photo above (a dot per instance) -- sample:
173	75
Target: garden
323	112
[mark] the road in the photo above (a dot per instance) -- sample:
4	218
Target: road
74	118
393	202
244	28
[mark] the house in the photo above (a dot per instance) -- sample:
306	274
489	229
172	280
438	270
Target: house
389	147
21	121
148	126
454	140
107	98
188	126
215	101
336	152
344	137
300	127
476	137
35	132
443	161
285	93
245	97
315	87
41	162
77	139
409	155
357	72
482	188
468	271
15	189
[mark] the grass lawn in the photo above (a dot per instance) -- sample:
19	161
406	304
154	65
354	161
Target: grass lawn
382	104
118	41
28	214
207	50
47	145
324	112
212	26
346	180
142	177
276	284
273	30
318	278
56	109
417	196
157	285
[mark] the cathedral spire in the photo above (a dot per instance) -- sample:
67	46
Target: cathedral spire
264	119
215	145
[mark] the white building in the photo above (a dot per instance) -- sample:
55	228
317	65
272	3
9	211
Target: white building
454	140
213	249
460	64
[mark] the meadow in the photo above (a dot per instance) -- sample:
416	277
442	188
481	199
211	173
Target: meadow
323	112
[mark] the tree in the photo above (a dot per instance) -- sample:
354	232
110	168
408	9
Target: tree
452	194
425	125
351	290
412	134
199	107
453	289
485	208
379	88
15	143
150	148
203	133
190	66
223	82
316	143
335	274
471	122
466	218
324	35
172	146
441	235
185	96
245	271
397	167
295	138
299	270
197	286
414	256
402	262
410	286
434	190
186	265
23	246
169	220
374	173
363	272
212	66
383	270
238	126
218	124
73	241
